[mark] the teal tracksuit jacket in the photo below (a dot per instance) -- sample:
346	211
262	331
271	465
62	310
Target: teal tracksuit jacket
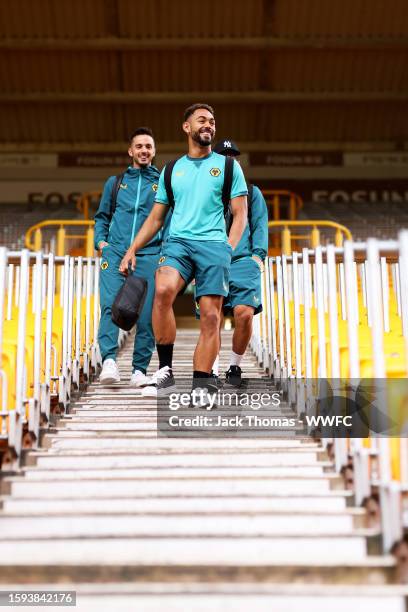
255	242
134	202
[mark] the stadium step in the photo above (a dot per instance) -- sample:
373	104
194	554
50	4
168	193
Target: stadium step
134	521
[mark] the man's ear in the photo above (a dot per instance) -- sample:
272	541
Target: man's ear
186	127
130	152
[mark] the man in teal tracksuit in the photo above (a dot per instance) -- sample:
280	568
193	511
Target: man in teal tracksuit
245	295
134	194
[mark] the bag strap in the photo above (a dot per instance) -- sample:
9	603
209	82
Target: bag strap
250	188
167	181
115	190
227	186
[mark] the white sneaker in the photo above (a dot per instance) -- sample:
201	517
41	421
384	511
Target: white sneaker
138	379
110	373
149	391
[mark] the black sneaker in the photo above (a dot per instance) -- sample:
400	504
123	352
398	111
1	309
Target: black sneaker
234	376
204	394
164	381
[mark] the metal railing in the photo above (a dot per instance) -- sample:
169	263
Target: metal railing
287	238
48	342
338	316
34	236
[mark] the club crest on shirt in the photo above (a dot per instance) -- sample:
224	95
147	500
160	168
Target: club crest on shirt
123	185
215	172
104	265
154	187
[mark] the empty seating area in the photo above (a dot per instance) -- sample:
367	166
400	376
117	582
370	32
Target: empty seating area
380	220
15	220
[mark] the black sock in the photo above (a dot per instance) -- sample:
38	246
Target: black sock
200	378
165	353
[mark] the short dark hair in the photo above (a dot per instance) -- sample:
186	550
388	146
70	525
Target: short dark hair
141	131
191	109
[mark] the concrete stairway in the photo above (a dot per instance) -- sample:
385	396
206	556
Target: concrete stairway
131	521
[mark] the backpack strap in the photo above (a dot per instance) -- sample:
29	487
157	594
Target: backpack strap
227	186
250	188
167	181
115	190
226	192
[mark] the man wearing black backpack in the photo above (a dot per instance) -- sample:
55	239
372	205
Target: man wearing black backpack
194	187
126	202
245	296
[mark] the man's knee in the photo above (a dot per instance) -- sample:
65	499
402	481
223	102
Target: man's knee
210	321
243	315
164	295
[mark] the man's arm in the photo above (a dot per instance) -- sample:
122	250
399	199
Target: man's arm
103	215
150	227
239	220
259	225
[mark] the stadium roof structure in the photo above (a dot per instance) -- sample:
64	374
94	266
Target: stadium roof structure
83	73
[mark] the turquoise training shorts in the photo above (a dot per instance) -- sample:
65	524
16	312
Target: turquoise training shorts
207	261
244	286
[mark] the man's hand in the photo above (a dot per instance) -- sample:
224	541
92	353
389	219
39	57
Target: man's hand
101	245
258	261
129	258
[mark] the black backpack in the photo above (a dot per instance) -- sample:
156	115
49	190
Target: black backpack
129	302
226	190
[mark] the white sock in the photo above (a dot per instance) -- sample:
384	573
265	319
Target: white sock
235	359
216	365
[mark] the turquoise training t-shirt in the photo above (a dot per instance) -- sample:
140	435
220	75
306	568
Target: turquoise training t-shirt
197	187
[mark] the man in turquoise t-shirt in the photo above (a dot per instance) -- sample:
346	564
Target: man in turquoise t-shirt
197	247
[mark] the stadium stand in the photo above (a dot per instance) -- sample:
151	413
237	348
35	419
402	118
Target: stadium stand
380	220
14	224
92	499
330	313
341	314
49	313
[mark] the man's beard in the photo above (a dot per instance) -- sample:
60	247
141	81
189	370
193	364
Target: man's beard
143	164
197	137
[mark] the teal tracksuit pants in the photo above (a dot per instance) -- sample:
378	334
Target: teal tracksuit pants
110	282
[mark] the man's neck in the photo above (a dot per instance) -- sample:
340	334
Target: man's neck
196	150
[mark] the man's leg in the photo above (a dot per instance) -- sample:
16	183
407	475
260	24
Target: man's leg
245	290
212	265
216	364
144	338
243	317
169	283
208	344
110	282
